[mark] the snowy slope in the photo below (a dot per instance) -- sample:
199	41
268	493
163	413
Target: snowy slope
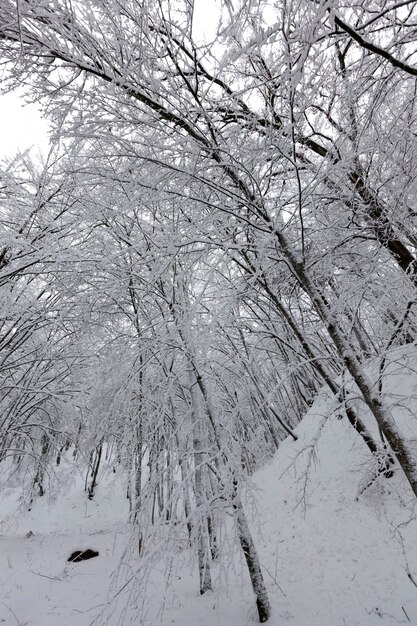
334	553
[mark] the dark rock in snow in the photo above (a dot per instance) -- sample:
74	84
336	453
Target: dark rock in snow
82	555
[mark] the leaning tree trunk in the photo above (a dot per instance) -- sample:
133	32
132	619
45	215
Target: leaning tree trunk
245	537
252	559
94	471
381	413
199	465
384	459
200	392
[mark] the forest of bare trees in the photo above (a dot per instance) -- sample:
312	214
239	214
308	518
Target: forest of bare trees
225	223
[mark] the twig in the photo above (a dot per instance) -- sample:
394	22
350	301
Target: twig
407	567
405	613
274	579
12	612
46	576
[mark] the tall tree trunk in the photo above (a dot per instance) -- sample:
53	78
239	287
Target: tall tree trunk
135	490
384	459
94	472
398	443
40	473
200	490
186	495
252	560
245	537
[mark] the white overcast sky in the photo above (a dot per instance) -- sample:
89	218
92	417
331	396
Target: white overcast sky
21	126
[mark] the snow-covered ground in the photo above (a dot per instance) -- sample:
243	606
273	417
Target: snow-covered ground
334	552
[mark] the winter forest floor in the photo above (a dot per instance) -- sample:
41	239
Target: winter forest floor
335	552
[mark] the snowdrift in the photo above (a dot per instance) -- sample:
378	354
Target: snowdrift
338	547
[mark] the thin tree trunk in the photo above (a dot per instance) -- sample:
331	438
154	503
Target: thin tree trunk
40	473
94	472
384	459
198	390
398	444
252	560
245	536
186	495
199	463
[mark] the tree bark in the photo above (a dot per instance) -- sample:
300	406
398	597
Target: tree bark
252	560
199	465
399	445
